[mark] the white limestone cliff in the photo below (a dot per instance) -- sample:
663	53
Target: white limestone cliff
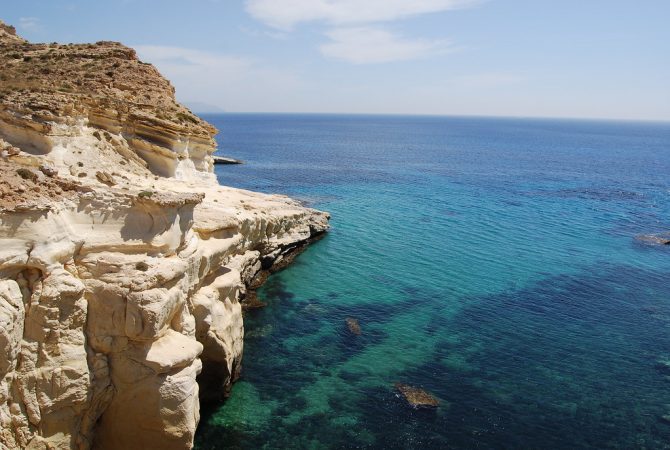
122	261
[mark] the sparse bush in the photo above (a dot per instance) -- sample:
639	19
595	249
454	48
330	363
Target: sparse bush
145	194
27	174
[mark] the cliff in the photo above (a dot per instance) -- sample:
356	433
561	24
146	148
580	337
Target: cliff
123	263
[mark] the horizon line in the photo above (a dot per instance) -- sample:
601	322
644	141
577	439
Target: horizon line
464	116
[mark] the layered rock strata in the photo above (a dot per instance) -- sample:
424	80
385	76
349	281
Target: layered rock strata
122	261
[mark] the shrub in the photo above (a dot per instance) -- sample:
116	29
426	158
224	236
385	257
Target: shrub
27	174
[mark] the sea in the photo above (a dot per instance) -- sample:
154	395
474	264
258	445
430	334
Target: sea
492	262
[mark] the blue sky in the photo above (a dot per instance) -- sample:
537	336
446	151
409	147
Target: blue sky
534	58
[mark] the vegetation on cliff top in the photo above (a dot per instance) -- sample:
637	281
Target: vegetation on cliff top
52	80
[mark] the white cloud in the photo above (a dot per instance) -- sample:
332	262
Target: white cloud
285	14
30	24
368	45
354	35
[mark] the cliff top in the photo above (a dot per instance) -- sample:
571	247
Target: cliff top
8	34
53	81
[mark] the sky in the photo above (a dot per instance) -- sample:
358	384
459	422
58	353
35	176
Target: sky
530	58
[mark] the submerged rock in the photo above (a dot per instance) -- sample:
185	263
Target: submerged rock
251	301
260	332
416	397
313	308
353	326
654	239
663	366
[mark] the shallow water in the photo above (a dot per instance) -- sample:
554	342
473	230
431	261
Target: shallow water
490	261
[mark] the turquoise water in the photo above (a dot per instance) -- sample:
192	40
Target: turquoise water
491	262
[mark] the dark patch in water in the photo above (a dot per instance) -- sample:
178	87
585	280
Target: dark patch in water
594	193
275	289
540	386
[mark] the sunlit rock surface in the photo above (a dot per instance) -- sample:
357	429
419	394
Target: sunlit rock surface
122	261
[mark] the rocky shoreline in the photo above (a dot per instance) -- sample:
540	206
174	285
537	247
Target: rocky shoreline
123	262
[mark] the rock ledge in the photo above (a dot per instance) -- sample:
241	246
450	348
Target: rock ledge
123	261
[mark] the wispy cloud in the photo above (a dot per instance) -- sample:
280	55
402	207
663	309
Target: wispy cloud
368	45
285	14
30	24
353	26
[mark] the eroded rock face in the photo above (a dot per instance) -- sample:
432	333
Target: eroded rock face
122	261
45	89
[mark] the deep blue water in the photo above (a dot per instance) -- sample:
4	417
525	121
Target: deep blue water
492	262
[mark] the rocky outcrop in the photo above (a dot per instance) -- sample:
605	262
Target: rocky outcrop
8	33
47	90
353	325
122	261
416	397
654	239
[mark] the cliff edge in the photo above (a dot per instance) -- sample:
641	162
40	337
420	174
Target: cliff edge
122	261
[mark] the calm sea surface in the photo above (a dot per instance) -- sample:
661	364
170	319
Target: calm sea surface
492	262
